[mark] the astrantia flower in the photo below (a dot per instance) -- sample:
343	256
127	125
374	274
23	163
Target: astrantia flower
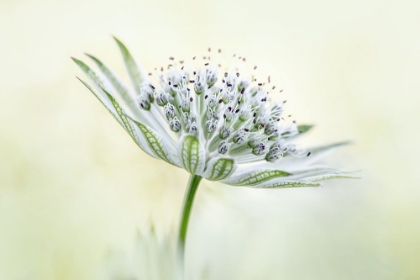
216	122
213	122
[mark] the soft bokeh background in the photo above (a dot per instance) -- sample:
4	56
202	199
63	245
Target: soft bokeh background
74	187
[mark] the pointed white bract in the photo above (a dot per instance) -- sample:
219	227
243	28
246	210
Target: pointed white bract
213	122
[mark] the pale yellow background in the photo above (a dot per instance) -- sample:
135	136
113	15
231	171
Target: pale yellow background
73	186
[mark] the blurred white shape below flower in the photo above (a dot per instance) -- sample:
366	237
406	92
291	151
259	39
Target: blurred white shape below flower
152	258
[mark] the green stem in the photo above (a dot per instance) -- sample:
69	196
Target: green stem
192	187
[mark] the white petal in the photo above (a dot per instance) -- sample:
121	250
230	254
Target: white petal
219	169
136	73
310	175
287	184
102	84
125	123
290	163
160	148
126	95
192	154
253	178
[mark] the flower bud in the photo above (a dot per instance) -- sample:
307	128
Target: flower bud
175	124
169	110
223	147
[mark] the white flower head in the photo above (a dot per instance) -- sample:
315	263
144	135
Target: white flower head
215	122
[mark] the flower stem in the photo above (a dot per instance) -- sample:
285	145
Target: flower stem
192	187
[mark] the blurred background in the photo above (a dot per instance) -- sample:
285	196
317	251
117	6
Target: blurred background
75	189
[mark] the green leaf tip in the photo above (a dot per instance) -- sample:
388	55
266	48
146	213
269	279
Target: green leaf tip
303	128
135	72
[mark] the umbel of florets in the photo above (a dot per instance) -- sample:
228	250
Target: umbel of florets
216	122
